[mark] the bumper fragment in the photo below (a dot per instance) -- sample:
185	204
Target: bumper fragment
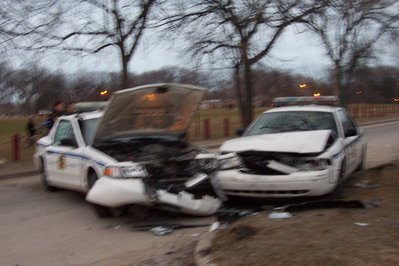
120	192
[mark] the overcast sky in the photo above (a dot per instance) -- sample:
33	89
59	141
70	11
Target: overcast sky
300	53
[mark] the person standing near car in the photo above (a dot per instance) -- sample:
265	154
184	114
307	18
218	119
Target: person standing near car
31	131
58	110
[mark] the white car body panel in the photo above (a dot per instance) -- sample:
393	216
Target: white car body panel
292	182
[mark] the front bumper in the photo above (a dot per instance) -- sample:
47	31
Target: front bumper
113	193
298	184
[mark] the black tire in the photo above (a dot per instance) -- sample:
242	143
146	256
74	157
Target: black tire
45	184
100	210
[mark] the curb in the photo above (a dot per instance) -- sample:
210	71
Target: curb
20	174
202	254
378	122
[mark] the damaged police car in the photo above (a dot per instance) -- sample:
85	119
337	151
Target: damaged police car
294	151
132	153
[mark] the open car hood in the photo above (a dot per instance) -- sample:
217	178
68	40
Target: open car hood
156	109
290	142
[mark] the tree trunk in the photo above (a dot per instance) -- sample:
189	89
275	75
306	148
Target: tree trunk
339	78
237	86
246	111
125	72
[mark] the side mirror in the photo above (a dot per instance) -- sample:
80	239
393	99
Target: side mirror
240	131
350	132
69	142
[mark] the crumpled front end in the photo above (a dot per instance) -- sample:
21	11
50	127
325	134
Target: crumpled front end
278	175
160	171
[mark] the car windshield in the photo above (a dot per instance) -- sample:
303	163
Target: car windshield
88	128
277	122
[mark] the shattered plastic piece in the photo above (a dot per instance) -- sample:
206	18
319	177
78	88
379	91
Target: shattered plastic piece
214	226
280	215
205	206
365	184
161	231
361	224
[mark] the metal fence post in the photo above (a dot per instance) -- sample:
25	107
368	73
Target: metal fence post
15	147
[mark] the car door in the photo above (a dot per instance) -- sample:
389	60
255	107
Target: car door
352	141
64	157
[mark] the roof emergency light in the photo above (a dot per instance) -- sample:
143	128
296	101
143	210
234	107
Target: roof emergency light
306	100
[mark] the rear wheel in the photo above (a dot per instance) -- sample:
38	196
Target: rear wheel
101	211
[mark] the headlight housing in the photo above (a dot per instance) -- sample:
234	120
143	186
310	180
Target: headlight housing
229	161
125	172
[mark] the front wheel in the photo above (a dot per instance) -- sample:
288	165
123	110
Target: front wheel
100	210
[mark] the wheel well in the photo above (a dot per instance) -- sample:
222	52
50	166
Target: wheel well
90	171
41	165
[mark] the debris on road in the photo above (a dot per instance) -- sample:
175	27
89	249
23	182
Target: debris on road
214	226
161	231
229	215
280	215
365	184
114	226
361	224
372	203
150	226
321	204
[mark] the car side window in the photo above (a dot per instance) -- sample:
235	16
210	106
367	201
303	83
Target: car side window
346	121
63	131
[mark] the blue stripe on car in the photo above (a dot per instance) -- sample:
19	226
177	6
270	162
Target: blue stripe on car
74	155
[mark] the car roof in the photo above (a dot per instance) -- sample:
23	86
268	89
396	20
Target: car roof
311	108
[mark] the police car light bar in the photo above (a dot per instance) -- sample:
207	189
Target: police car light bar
306	100
81	107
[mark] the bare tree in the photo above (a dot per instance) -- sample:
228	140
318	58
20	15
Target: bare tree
237	34
349	31
90	26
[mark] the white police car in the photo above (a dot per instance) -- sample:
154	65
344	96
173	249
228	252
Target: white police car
132	153
294	151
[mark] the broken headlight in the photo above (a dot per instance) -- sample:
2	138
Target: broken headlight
229	161
124	172
313	164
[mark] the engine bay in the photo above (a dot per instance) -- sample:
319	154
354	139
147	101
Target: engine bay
163	159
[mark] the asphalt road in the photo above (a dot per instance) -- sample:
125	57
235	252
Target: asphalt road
60	228
383	143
